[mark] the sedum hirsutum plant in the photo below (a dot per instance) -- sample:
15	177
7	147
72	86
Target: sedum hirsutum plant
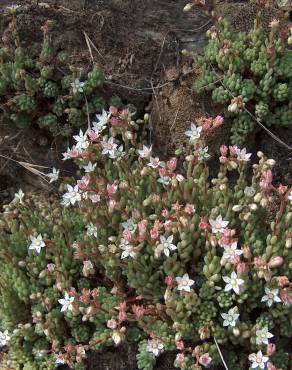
248	72
46	90
149	251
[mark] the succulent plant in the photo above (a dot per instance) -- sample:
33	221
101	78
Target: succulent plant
248	72
150	251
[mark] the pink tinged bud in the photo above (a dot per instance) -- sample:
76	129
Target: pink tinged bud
113	110
218	120
92	135
95	198
114	122
168	224
162	172
154	233
142	227
180	359
127	235
112	204
111	189
95	292
276	262
205	359
165	213
180	345
189	209
203	225
89	311
168	281
286	297
122	316
83	183
138	311
180	178
266	180
51	267
172	163
271	348
111	324
240	268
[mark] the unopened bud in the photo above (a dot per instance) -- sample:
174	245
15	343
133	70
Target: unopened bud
276	262
260	154
271	162
188	7
257	198
253	207
236	332
237	208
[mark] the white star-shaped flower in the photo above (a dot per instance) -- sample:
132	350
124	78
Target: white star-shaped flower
72	196
66	302
145	152
54	175
231	251
218	225
60	359
108	147
91	230
194	132
77	86
271	296
166	245
89	167
130	225
4	338
184	283
230	317
19	195
37	243
128	250
263	336
101	121
258	360
242	155
81	140
232	283
164	180
155	346
203	153
154	162
249	191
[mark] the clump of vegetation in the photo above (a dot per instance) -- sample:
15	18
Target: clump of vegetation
248	72
43	90
149	251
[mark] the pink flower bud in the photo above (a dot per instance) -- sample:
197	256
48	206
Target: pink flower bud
205	359
168	281
276	262
218	121
172	163
165	213
113	110
111	324
162	172
240	268
127	235
180	345
190	209
154	233
271	348
111	188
